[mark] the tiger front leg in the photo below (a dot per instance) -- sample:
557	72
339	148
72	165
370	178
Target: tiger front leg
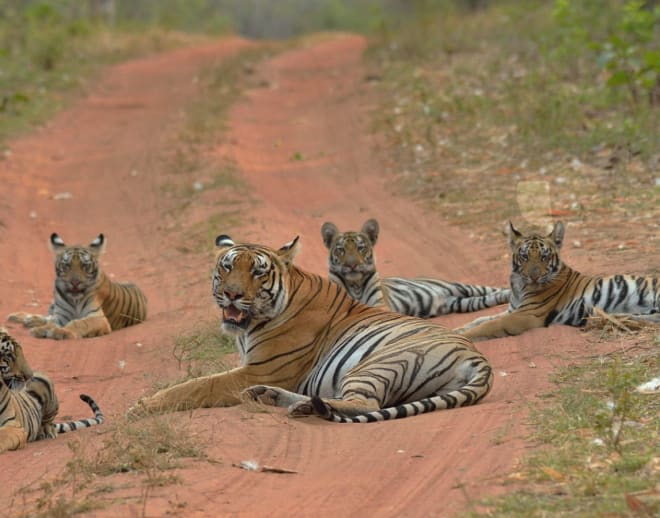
29	319
216	390
478	321
510	324
54	331
81	328
12	438
88	327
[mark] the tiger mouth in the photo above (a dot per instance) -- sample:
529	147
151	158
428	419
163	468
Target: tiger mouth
74	290
353	276
236	317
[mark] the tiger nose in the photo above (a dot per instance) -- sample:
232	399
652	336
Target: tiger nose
352	262
233	295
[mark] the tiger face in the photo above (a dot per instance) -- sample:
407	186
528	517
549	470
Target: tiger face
351	253
76	267
249	282
14	368
535	258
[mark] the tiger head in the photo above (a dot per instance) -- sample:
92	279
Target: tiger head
14	368
352	256
535	258
250	282
76	267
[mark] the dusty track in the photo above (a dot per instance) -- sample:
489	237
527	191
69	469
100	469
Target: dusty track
316	108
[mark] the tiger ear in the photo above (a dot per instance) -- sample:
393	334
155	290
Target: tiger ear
328	231
56	242
289	251
371	229
98	245
557	234
224	241
513	233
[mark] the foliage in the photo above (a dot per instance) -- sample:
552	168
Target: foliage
600	436
476	105
624	38
49	48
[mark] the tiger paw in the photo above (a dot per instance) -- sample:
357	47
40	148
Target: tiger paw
52	331
144	407
35	321
301	409
61	333
261	393
17	317
28	319
137	411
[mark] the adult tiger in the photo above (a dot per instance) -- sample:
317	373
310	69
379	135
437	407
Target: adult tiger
86	302
352	264
307	345
27	413
545	291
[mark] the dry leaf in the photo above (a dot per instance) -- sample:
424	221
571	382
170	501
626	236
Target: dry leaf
553	473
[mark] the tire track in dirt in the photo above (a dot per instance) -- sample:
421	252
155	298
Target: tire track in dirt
303	146
128	122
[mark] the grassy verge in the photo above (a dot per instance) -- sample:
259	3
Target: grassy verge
509	112
151	448
598	440
46	61
513	111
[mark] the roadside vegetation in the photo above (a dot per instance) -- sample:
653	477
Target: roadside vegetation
49	50
538	111
524	109
528	110
95	475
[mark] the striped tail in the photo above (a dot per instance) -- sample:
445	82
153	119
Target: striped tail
82	423
427	298
469	394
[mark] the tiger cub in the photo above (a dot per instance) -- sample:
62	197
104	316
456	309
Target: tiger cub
352	265
86	302
306	345
27	413
546	291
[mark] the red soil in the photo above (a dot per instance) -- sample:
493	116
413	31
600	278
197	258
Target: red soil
316	108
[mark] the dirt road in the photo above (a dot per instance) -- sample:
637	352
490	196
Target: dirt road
303	147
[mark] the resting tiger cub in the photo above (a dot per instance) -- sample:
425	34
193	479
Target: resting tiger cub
27	414
546	291
352	265
86	302
307	345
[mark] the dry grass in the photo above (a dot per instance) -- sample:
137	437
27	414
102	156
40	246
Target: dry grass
619	323
480	127
151	449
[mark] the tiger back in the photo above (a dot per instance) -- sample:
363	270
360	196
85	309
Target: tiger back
352	265
29	409
306	345
546	291
86	302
